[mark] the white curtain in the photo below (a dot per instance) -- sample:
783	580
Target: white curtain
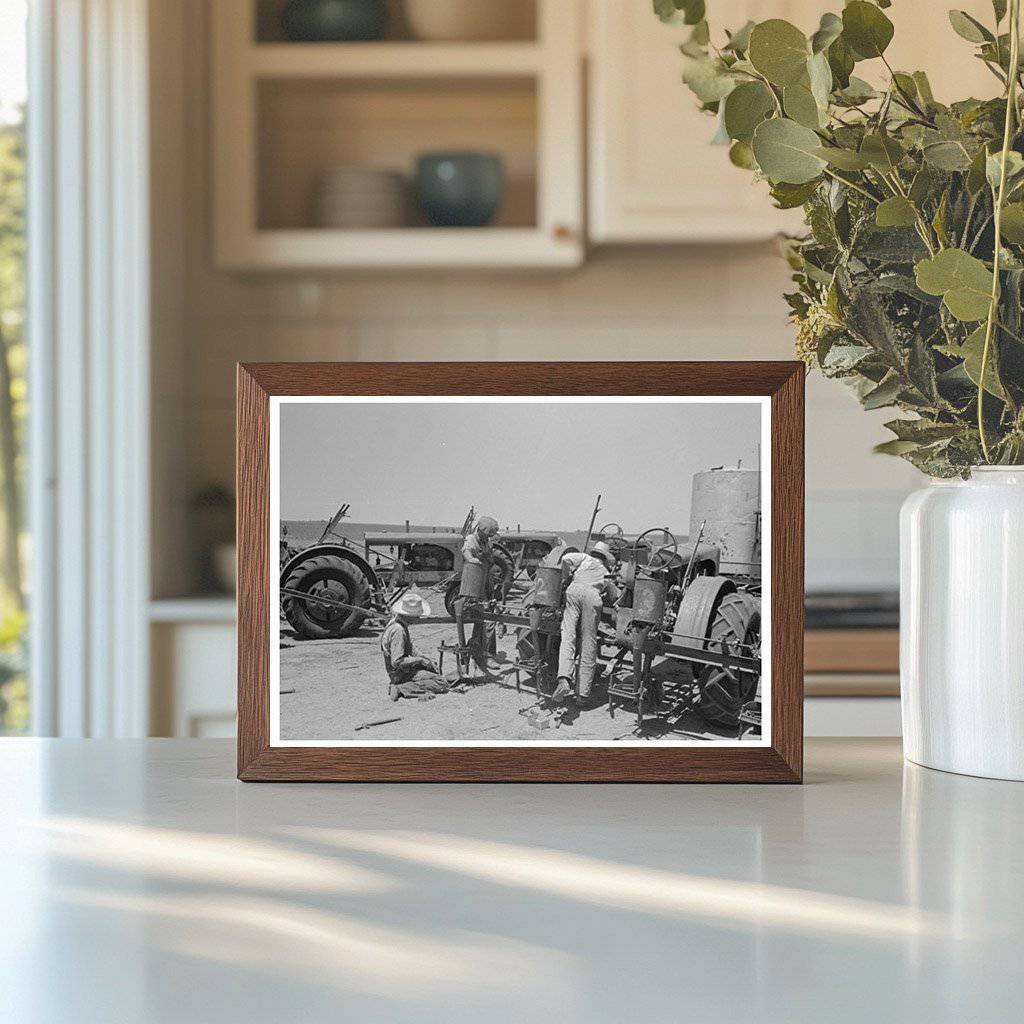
88	386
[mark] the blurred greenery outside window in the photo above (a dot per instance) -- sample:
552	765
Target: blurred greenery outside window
14	538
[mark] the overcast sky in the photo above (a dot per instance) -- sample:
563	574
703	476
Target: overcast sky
540	465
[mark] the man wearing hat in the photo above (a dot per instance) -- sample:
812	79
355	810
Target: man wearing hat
478	550
477	546
590	584
410	674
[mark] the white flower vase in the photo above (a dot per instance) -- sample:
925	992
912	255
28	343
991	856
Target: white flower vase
962	624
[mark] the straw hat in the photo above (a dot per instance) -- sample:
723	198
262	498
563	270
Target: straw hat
412	605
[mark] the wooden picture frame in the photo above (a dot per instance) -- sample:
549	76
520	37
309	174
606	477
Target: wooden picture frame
779	760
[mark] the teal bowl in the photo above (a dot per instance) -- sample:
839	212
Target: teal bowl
334	21
460	190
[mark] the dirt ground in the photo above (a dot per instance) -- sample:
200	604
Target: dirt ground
328	687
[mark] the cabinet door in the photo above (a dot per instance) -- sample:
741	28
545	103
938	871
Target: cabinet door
654	177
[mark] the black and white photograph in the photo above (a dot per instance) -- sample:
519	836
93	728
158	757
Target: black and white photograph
514	571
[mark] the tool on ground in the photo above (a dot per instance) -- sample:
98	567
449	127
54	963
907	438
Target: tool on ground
378	721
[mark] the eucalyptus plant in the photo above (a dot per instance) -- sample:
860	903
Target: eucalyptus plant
910	277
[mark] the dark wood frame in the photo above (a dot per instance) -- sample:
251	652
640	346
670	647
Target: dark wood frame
780	762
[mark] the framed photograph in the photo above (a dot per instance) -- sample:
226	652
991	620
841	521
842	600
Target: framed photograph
576	572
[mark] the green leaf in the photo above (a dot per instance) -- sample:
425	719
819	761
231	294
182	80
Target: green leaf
829	30
844	159
745	108
739	41
895	447
922	185
707	78
779	51
993	167
1012	224
787	151
922	431
841	63
976	173
947	156
866	29
689	12
885	394
857	91
788	197
969	28
741	155
801	106
701	34
819	74
963	281
971	352
939	220
924	88
895	212
883	152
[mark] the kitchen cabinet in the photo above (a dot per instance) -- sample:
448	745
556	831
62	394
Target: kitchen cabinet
654	177
287	114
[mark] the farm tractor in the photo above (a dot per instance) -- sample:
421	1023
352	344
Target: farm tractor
697	604
328	590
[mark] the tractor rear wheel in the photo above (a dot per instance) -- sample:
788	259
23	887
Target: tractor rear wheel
723	693
335	579
451	595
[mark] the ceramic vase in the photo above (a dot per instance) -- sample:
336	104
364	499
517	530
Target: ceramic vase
962	624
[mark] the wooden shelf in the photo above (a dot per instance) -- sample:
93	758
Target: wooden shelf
393	60
318	248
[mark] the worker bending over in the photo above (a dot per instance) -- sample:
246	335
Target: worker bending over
410	674
590	584
478	550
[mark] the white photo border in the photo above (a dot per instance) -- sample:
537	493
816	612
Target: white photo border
274	533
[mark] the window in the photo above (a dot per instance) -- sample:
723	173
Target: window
14	696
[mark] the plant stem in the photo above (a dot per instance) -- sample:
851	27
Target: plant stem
853	185
1011	108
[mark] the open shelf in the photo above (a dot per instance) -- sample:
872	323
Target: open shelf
520	23
287	114
393	60
309	127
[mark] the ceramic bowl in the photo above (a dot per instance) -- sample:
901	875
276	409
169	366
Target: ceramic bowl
333	21
359	197
460	189
470	20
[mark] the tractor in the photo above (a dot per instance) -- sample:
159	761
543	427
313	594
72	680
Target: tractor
697	603
329	588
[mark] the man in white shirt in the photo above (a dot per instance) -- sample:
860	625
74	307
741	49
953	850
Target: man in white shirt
590	584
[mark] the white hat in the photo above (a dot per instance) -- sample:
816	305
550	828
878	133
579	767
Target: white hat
412	605
604	553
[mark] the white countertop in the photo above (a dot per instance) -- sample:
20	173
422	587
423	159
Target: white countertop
140	882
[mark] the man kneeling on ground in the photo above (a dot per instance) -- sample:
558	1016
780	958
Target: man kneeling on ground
410	674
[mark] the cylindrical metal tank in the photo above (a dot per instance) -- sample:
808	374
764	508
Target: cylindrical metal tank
548	592
474	581
649	601
729	500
